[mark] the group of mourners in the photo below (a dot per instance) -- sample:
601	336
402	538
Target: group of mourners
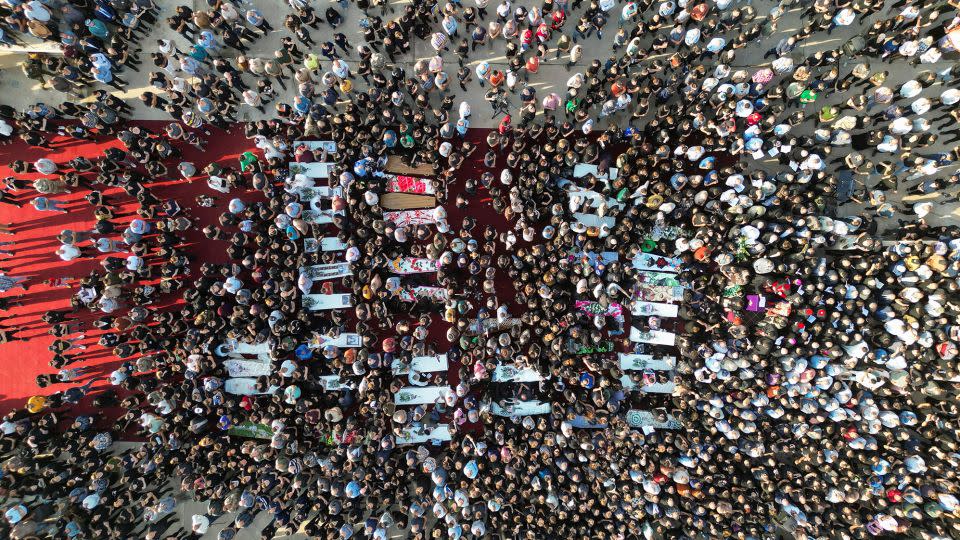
679	298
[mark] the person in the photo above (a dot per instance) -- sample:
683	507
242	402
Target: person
9	282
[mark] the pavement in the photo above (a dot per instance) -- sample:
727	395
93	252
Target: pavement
20	92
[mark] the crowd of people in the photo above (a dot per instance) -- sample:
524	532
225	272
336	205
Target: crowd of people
812	357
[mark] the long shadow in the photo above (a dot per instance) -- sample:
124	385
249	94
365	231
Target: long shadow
57	218
47	296
8	403
33	243
23	260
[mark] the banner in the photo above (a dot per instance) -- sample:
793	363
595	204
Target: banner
412	265
320	272
411	217
409	184
435	294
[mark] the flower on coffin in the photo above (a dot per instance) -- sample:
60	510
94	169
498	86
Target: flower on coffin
309	302
405	397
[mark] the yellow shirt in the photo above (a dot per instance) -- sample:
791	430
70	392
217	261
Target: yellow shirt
36	404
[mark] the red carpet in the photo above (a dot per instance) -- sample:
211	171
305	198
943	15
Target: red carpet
36	244
35	252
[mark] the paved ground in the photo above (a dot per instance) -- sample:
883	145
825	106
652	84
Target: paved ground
551	78
20	92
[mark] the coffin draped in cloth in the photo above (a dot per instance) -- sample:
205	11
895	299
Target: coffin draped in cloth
653	337
412	294
327	243
640	418
654	309
583	169
313	170
656	263
657	293
649	388
420	395
412	265
329	146
234	348
520	408
404	218
664	279
639	362
345	339
320	302
247	368
508	373
246	386
422	434
321	272
423	364
399	183
331	383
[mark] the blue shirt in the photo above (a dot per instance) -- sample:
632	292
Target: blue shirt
103	75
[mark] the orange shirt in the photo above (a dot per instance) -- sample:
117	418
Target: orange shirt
36	404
